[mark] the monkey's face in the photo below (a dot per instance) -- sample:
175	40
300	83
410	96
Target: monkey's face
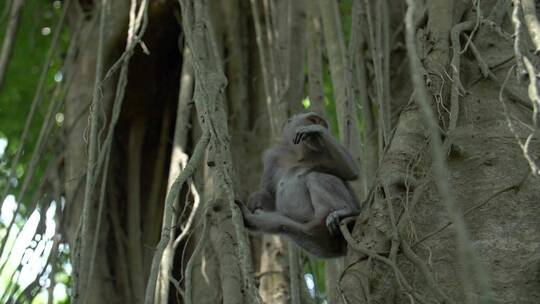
299	120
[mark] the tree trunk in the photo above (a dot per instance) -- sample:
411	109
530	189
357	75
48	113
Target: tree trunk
409	246
132	184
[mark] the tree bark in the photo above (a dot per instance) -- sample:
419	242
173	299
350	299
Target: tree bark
479	156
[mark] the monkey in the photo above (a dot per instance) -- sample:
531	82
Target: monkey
304	191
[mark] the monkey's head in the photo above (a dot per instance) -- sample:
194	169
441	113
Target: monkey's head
302	119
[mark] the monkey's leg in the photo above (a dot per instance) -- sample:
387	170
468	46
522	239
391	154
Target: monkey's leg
330	195
273	222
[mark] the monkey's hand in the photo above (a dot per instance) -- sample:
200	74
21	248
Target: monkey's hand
260	201
246	214
303	132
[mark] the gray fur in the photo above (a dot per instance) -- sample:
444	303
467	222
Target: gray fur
304	191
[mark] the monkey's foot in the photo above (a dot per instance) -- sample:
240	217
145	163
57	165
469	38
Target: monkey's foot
333	220
332	223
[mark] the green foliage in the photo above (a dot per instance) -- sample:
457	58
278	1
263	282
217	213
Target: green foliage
31	47
38	21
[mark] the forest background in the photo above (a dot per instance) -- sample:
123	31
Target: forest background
128	129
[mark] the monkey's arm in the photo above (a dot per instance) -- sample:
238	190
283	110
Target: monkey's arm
339	160
261	200
264	197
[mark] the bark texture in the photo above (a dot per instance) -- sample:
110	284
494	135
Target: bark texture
489	176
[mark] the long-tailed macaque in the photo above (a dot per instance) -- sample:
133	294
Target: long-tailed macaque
304	192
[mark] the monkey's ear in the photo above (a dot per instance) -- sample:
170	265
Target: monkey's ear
286	122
